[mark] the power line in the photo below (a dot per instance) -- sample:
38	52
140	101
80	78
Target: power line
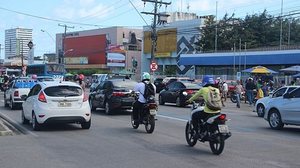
49	19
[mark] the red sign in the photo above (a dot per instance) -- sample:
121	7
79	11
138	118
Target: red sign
153	66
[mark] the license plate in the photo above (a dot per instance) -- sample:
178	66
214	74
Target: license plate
64	104
153	111
223	128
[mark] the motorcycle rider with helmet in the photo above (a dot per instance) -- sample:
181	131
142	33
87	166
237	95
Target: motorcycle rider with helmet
208	83
140	89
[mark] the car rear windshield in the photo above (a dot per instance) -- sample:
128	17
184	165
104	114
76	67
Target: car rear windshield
124	84
63	91
192	86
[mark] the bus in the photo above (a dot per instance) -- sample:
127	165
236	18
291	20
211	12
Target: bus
57	71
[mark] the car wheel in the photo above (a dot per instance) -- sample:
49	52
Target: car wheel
107	108
86	125
260	110
275	120
12	105
5	102
160	100
178	102
35	125
91	105
24	120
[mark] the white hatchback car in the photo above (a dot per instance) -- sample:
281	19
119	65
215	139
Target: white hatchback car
261	104
54	101
284	110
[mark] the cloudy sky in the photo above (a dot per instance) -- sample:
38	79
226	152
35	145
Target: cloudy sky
93	14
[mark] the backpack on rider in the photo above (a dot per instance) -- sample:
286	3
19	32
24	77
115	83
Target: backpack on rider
149	93
213	99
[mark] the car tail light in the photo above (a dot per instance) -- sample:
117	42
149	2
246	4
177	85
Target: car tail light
118	94
16	93
222	117
189	91
152	105
42	97
85	97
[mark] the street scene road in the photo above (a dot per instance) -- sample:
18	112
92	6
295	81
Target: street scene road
111	142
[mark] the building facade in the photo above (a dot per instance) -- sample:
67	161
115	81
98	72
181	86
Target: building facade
173	39
93	48
16	41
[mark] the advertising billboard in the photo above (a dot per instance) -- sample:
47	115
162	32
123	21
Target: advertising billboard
92	47
115	60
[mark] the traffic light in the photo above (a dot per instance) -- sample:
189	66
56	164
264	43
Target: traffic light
134	63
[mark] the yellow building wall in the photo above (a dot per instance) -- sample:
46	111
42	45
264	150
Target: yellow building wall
166	42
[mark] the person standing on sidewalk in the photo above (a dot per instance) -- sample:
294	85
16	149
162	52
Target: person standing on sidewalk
250	86
238	92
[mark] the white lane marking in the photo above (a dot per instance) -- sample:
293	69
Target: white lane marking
172	118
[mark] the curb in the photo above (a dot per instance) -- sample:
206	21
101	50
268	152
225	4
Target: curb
7	130
12	125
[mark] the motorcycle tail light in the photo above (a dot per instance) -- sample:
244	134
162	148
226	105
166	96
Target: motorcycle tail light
16	93
152	106
222	117
42	97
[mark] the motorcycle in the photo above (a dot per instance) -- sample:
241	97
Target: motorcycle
214	130
234	99
147	116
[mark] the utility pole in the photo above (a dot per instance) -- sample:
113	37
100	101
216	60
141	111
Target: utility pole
153	27
281	19
61	57
216	33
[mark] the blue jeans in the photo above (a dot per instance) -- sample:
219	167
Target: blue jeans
238	99
250	96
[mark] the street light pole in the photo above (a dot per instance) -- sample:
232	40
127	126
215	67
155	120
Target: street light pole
42	30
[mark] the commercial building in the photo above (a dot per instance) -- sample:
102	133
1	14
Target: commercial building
16	41
175	36
175	50
100	48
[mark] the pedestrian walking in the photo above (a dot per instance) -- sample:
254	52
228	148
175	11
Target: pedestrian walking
225	91
238	92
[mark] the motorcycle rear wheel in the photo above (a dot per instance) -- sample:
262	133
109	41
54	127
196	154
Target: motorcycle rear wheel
233	98
190	134
150	125
135	125
217	147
